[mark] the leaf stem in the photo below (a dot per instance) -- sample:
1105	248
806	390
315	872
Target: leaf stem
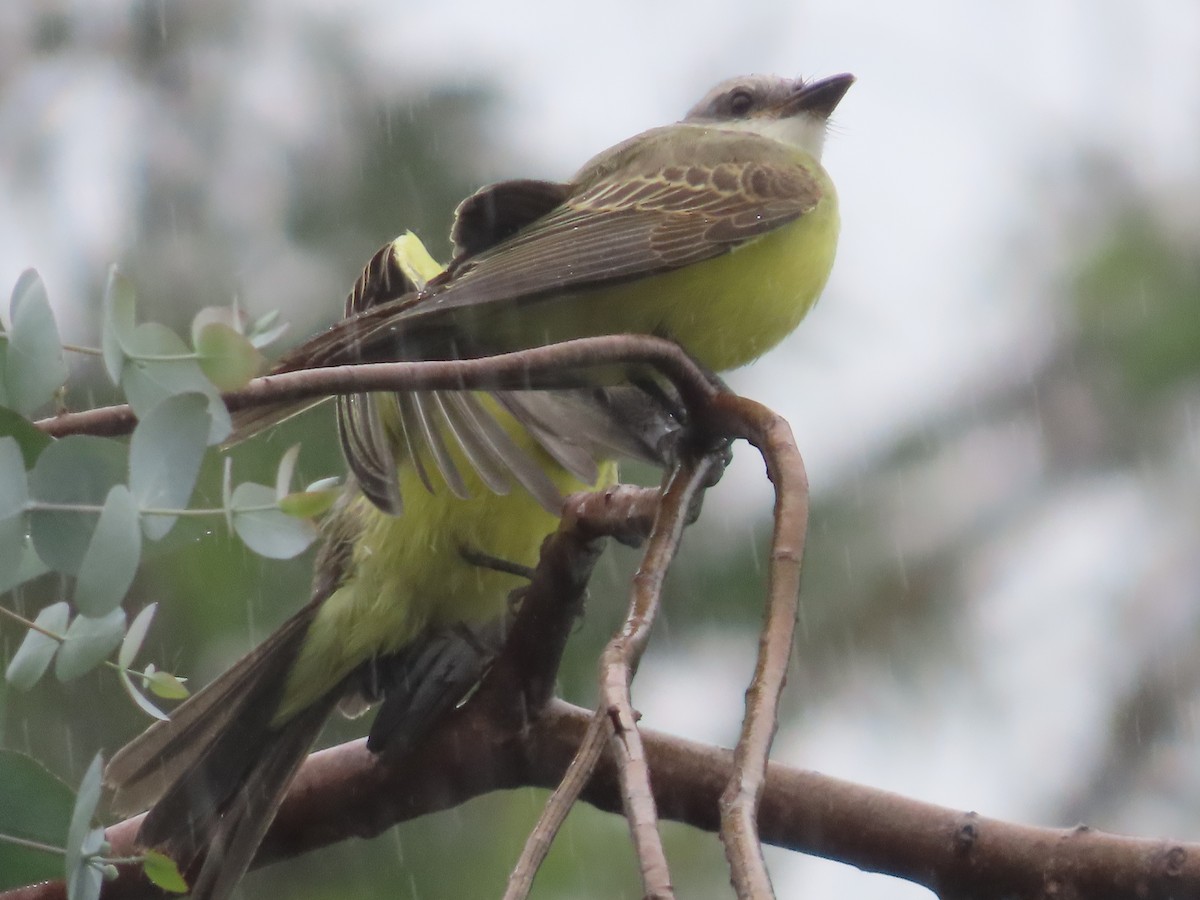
31	845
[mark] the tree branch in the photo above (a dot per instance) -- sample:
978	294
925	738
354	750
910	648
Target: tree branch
770	433
539	367
346	791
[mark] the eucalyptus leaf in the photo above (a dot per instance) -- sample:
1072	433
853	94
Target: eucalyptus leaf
146	706
229	316
88	643
160	365
87	798
13	489
34	367
227	357
32	658
86	878
285	470
150	361
79	470
112	556
120	311
164	458
265	528
265	332
132	642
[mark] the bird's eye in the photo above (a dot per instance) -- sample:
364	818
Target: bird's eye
740	102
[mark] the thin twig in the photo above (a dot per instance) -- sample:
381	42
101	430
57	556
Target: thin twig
629	518
770	433
620	659
554	813
539	367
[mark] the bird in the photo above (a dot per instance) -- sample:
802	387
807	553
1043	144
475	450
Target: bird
717	232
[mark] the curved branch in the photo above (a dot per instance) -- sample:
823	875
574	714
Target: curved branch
771	434
540	367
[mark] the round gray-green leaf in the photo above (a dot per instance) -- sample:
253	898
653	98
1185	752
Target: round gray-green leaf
132	642
265	528
147	382
86	800
89	642
34	367
78	470
29	663
13	490
112	557
120	312
164	458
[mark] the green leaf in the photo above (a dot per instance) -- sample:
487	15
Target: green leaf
165	685
268	532
231	317
164	458
112	556
13	490
79	469
227	355
120	311
161	871
30	661
34	367
35	806
86	800
31	439
308	504
88	643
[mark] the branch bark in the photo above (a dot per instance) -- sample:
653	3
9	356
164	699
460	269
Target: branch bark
346	791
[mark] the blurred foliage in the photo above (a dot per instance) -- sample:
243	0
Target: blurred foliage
1137	297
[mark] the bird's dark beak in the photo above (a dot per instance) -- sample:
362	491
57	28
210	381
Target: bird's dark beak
819	98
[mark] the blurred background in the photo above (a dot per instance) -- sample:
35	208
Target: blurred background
998	397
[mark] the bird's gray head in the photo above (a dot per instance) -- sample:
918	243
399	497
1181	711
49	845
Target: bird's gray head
789	110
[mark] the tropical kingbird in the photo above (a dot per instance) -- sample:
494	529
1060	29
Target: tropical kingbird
717	232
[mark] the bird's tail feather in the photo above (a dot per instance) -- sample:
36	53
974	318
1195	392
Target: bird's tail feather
214	774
